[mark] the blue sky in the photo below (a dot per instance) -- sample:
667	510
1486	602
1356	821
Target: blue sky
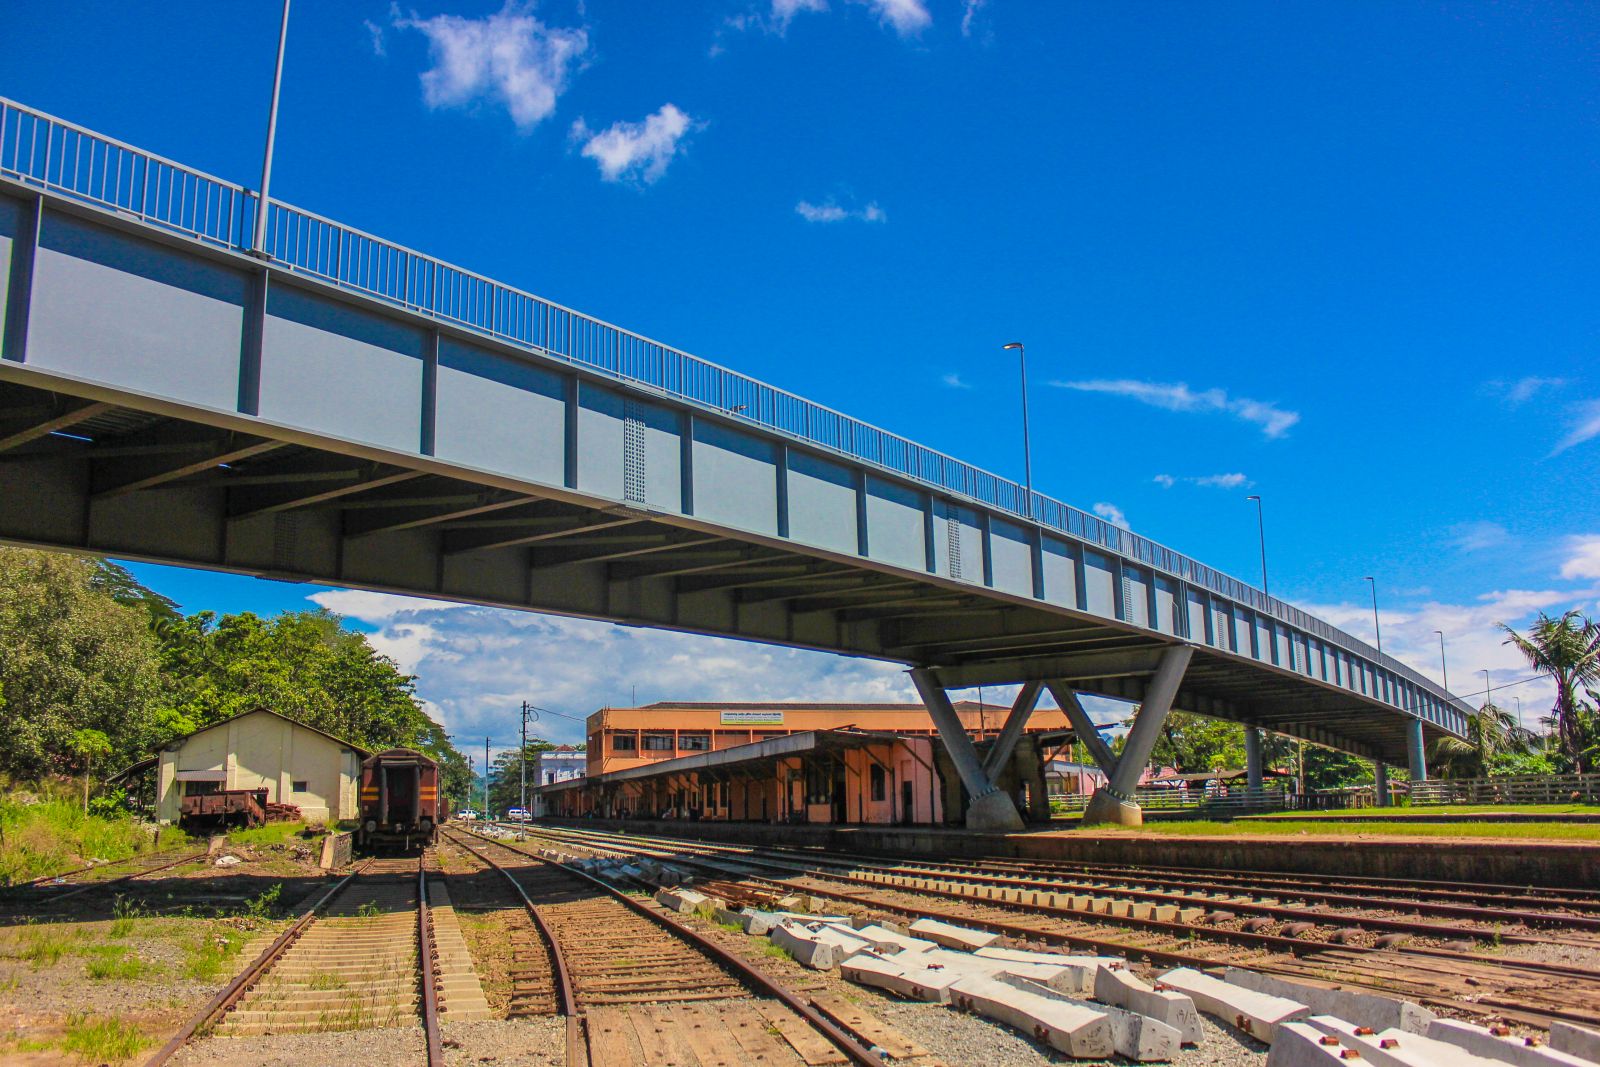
1342	255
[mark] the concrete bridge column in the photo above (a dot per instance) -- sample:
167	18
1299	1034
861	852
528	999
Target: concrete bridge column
1113	803
1252	757
1416	755
990	809
1380	782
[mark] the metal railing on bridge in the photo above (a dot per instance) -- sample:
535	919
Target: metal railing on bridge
53	154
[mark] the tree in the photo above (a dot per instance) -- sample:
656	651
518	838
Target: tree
505	777
1568	650
1492	736
89	745
71	658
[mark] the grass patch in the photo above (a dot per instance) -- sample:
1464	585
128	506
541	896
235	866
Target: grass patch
271	834
115	963
208	957
102	1040
1392	828
41	947
777	952
44	835
1407	810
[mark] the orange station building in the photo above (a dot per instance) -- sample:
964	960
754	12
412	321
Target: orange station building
793	763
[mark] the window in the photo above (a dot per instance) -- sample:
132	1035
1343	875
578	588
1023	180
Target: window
624	742
879	782
694	742
301	787
658	742
201	789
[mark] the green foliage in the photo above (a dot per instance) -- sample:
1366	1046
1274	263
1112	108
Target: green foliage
1195	743
1494	741
46	835
207	957
75	660
115	963
1568	650
102	1040
505	781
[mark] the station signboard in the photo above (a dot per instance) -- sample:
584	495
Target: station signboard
752	718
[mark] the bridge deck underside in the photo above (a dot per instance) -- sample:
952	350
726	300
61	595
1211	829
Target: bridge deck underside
90	469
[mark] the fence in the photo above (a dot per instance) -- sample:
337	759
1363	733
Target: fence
1230	801
1505	789
50	153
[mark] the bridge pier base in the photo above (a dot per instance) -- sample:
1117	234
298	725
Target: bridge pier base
1380	783
1117	808
989	809
1416	754
1252	758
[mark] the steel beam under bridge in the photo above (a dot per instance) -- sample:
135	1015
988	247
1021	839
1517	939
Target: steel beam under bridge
165	397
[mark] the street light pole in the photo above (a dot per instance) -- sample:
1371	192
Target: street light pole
1444	664
1261	531
486	778
1377	631
1027	453
522	822
259	237
1486	690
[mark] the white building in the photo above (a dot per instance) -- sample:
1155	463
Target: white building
563	763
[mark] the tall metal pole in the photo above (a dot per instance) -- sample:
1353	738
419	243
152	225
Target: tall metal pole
1027	447
486	778
1261	531
1444	664
1377	631
522	824
1485	689
259	238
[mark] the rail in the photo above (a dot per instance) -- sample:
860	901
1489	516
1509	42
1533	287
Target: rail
49	153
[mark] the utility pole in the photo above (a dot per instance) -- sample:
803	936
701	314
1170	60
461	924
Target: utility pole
522	824
486	778
259	237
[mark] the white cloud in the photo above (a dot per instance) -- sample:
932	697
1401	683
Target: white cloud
908	17
1177	396
1523	389
969	12
375	31
510	57
953	381
784	11
1112	514
1585	426
1583	559
1232	480
830	211
1478	536
475	665
636	150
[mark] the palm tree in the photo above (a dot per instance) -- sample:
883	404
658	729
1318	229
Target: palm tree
1491	731
1568	650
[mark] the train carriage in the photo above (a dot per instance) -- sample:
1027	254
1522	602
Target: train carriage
402	803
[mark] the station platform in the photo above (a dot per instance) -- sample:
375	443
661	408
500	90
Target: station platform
1518	862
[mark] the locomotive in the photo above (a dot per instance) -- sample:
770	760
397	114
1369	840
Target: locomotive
401	802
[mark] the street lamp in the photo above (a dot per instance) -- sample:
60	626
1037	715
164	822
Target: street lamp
1444	666
1027	456
1377	631
260	236
1261	530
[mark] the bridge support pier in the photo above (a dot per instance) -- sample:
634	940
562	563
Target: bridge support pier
1113	803
990	809
1252	758
1380	783
1416	754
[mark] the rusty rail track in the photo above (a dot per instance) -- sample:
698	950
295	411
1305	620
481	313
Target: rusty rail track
38	891
1526	991
747	976
236	990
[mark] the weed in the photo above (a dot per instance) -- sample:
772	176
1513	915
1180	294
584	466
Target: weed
124	914
118	968
102	1040
325	981
777	952
262	907
43	947
207	956
369	910
53	834
732	927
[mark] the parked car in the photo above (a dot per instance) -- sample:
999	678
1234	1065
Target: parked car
517	815
466	813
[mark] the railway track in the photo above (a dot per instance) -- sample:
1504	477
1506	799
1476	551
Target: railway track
50	890
360	957
637	986
1022	903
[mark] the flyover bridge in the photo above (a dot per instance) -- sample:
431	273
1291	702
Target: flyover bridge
335	408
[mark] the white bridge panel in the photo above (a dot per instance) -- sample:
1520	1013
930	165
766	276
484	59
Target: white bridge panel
1011	556
333	368
501	414
822	503
735	478
957	541
1060	574
895	525
135	314
1099	584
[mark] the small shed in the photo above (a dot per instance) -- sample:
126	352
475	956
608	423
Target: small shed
260	749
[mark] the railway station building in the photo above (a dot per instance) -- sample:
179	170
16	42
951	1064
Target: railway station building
260	749
794	763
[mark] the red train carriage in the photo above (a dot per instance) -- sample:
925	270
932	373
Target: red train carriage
401	802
